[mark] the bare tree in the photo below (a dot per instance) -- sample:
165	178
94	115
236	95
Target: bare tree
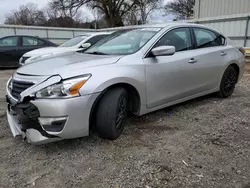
96	16
26	15
65	13
147	7
182	9
51	13
131	18
114	11
67	8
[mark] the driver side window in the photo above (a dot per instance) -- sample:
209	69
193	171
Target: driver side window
180	38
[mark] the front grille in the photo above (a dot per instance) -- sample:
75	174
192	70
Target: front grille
24	59
18	87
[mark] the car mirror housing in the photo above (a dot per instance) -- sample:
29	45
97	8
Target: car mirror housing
85	45
163	51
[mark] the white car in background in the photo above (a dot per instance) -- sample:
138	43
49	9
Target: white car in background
78	43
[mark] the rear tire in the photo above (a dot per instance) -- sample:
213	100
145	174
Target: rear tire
228	82
111	113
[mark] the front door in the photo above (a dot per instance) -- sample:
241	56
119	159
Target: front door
169	78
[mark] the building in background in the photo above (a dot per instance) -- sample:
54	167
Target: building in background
230	17
215	8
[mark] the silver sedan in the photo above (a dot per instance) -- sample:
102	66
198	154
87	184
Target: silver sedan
136	70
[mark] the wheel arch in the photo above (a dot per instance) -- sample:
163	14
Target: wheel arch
134	99
236	67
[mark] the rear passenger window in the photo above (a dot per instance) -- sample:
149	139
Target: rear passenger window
206	38
30	41
179	38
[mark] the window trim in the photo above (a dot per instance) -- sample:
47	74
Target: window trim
147	54
34	38
208	29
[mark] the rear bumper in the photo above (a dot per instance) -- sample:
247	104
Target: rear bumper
24	118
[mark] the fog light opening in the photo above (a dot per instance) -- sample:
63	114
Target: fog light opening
52	124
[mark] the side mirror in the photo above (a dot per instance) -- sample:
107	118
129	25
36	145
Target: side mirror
85	45
163	51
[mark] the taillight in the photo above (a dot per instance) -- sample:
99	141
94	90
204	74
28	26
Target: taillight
242	50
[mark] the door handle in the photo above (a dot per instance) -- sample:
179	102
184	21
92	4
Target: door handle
223	53
192	61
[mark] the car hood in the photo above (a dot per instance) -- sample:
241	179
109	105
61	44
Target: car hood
48	50
66	63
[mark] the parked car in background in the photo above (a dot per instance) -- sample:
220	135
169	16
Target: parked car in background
135	71
79	43
13	47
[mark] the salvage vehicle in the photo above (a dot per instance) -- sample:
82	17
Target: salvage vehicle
13	47
137	70
79	43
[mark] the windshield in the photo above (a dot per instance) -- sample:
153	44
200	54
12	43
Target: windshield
123	42
74	41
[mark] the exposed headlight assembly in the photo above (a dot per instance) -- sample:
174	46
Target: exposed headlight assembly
65	89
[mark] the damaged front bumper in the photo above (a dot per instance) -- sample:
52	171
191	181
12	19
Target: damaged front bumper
23	120
41	121
32	135
47	120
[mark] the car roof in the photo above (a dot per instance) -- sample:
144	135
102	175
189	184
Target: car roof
159	25
170	24
164	25
37	37
22	36
99	33
91	34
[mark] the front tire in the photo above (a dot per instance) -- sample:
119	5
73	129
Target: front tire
111	113
228	82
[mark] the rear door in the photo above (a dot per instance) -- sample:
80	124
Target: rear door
211	55
30	43
9	51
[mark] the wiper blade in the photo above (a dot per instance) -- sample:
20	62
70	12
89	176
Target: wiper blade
96	53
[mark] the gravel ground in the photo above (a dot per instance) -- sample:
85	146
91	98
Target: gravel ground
200	143
4	76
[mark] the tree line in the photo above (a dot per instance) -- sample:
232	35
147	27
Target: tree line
106	13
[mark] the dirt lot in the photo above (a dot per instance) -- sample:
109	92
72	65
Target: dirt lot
201	143
248	68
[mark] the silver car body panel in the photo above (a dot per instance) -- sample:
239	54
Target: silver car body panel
62	64
77	108
160	81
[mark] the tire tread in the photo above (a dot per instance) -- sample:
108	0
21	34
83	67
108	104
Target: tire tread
106	113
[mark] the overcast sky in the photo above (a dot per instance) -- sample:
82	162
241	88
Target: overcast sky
6	6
